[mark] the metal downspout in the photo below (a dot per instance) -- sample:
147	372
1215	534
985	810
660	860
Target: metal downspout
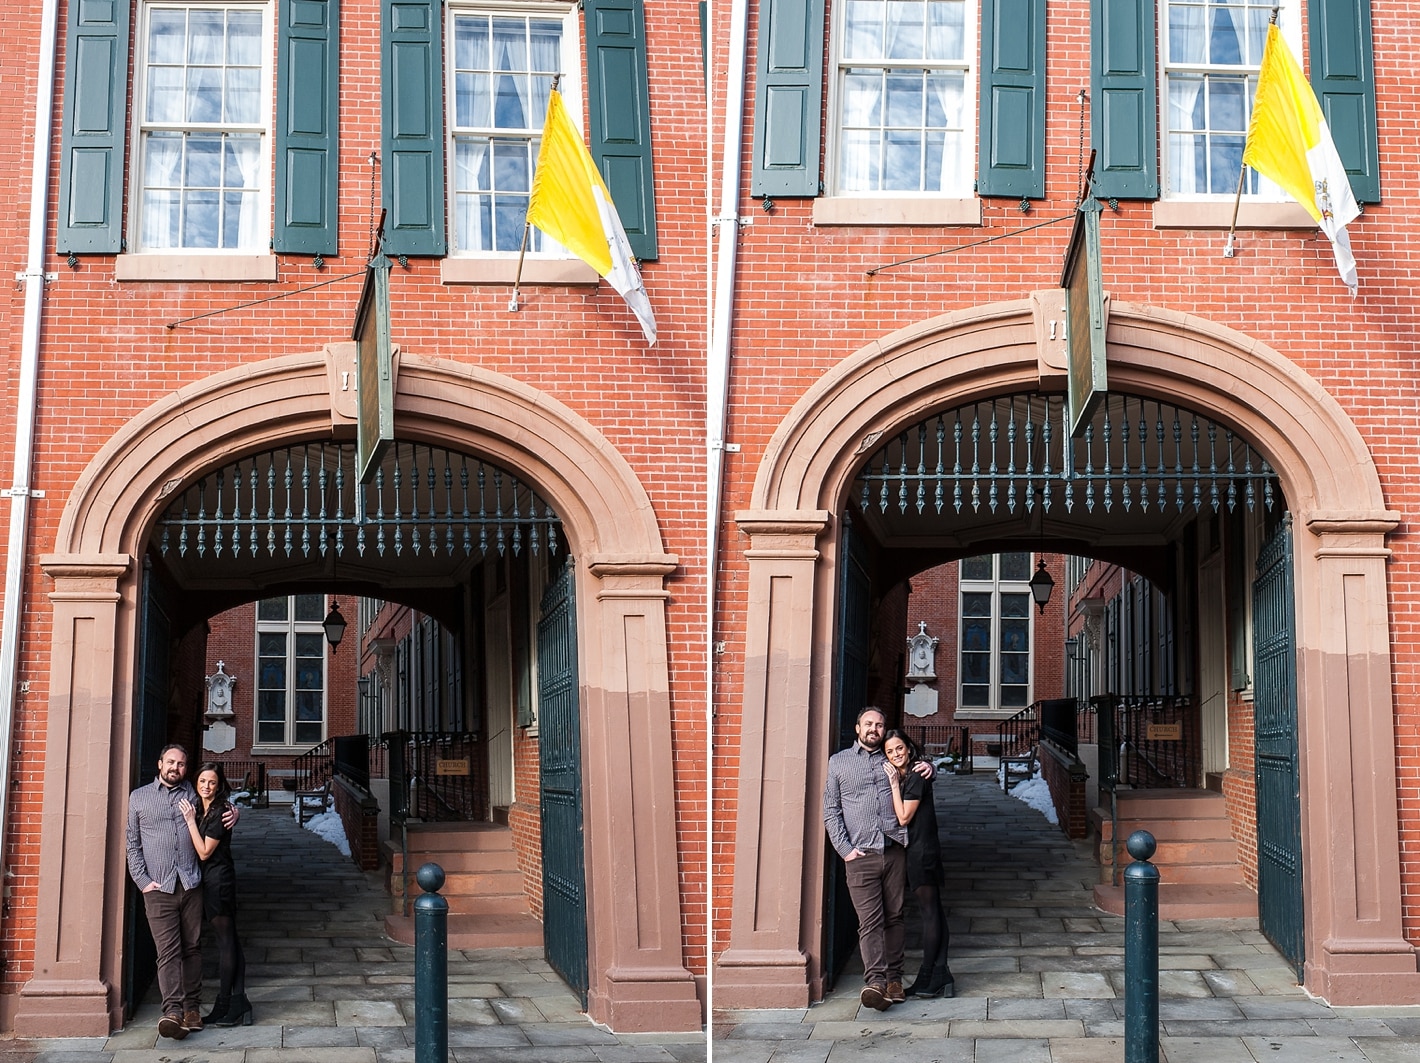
19	492
726	225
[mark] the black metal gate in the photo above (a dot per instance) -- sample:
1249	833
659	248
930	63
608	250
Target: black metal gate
150	725
1279	817
850	692
564	908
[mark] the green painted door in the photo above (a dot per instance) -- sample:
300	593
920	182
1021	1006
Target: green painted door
564	907
1278	780
850	692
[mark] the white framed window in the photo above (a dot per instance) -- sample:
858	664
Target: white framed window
993	666
291	671
1212	53
202	153
502	62
904	98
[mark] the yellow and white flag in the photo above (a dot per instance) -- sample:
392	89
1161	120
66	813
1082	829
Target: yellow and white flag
571	204
1289	142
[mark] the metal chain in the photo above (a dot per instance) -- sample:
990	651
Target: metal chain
374	161
1080	177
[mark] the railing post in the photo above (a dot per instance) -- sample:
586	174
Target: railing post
1141	952
431	968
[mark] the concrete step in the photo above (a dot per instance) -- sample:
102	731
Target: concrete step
1199	828
1183	900
492	931
453	860
468	884
1170	804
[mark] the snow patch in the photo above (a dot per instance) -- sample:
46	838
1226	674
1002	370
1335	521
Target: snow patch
1035	792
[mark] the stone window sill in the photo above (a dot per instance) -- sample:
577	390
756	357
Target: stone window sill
1218	214
502	270
883	210
187	267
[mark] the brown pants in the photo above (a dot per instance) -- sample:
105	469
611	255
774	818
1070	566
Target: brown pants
877	882
176	922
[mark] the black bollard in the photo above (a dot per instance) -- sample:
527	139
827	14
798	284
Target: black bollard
431	968
1141	952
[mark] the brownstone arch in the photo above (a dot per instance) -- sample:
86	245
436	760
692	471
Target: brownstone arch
1355	946
639	979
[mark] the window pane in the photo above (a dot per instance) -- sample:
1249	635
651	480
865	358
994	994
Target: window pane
976	634
1225	43
310	645
863	30
167	35
206	36
976	603
1186	41
946	30
976	697
902	162
271	609
271	644
976	567
1015	605
244	38
1015	635
308	734
243	96
308	705
273	733
271	705
165	94
1015	667
905	31
310	607
1015	566
1013	698
975	667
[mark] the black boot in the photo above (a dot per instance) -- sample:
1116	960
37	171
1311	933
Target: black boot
238	1012
220	1007
941	985
924	979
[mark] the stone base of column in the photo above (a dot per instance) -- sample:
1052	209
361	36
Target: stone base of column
1370	973
762	978
647	1002
65	1008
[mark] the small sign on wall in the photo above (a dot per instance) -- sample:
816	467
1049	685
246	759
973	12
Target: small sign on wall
451	767
1164	732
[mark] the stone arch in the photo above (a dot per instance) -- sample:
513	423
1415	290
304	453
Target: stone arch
1356	951
639	979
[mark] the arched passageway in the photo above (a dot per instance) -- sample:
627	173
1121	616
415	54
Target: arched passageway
638	977
1355	945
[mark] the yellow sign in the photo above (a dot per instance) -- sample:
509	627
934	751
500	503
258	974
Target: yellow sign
1164	732
451	767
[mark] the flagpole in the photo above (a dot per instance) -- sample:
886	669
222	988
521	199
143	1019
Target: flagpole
517	279
1228	249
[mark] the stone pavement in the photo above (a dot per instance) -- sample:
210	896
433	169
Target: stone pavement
1040	973
327	986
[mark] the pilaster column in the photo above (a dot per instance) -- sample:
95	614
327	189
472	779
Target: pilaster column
639	977
74	990
1356	950
766	965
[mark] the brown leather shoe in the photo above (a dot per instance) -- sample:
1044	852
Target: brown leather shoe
895	993
170	1025
875	996
192	1020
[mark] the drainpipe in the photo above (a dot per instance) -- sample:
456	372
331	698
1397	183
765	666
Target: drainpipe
19	493
726	224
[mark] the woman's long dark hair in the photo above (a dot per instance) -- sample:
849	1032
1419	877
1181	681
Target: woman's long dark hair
219	799
914	751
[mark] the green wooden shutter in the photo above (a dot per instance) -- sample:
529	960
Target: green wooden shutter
412	141
1344	80
788	98
91	161
1124	99
307	85
620	126
1012	131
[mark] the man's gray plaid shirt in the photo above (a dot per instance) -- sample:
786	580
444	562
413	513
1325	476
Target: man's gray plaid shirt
857	802
159	843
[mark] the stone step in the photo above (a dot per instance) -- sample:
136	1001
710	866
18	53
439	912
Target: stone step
475	884
462	835
454	860
484	931
1164	828
1183	900
1170	804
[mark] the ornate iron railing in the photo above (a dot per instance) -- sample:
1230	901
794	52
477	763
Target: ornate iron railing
313	767
306	500
1016	451
1021	731
247	776
1148	741
435	775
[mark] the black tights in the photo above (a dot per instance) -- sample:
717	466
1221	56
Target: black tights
935	935
231	963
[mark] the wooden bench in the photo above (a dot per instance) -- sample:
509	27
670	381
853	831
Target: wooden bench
312	802
1017	767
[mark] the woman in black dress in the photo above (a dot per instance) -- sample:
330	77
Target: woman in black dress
213	842
912	800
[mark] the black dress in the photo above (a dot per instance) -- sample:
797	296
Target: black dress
219	876
924	850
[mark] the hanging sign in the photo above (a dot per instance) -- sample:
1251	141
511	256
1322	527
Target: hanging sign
1085	318
374	370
